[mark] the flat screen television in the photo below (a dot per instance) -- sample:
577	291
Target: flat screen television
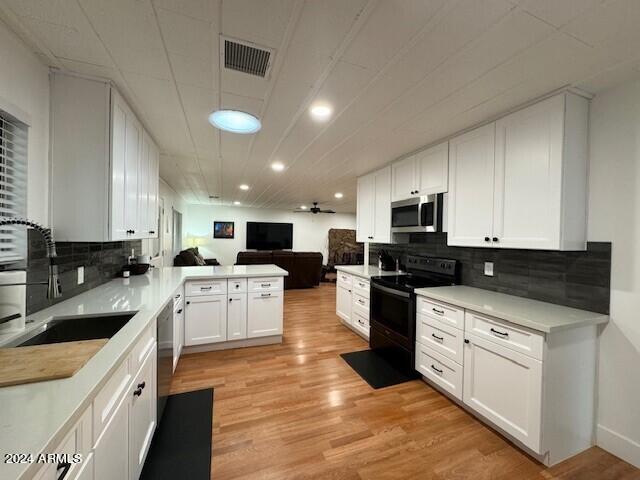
269	236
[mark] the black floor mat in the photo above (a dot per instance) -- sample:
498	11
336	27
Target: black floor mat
181	446
375	370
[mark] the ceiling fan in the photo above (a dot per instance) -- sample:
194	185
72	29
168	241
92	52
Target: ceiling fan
315	210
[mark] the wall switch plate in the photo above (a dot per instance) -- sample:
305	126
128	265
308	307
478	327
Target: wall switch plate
488	269
80	275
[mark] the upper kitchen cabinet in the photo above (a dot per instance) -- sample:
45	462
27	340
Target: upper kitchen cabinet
104	176
521	182
374	207
423	173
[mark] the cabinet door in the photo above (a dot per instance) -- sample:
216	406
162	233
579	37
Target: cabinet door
154	185
86	470
111	452
118	167
133	142
142	414
343	303
471	180
505	387
403	179
143	187
365	208
237	316
528	186
382	206
205	320
264	314
432	166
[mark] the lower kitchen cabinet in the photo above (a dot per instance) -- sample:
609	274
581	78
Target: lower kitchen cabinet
505	387
86	470
343	303
205	320
237	316
111	451
264	314
142	424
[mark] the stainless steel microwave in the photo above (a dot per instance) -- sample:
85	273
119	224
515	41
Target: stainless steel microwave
419	214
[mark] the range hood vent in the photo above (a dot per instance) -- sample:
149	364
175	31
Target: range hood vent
247	58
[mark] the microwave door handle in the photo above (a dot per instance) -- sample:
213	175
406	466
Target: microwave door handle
390	291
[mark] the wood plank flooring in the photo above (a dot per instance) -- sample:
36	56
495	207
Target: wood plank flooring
298	411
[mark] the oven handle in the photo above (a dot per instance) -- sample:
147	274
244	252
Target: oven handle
390	291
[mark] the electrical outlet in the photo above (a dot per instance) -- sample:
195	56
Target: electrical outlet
80	275
488	269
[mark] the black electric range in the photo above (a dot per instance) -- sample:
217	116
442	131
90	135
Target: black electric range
393	307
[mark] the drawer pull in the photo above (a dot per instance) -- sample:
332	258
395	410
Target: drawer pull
437	370
142	385
439	312
265	285
177	296
440	339
265	294
502	334
137	392
361	302
361	322
205	288
179	312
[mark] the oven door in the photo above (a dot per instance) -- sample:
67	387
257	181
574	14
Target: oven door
392	313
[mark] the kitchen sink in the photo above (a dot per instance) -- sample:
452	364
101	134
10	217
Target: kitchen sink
73	329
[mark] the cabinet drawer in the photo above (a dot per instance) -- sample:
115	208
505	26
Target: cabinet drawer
143	347
360	305
360	324
108	399
237	285
445	313
442	338
344	279
439	369
265	284
517	338
360	286
205	287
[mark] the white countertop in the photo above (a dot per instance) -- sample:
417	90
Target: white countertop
365	271
541	316
35	416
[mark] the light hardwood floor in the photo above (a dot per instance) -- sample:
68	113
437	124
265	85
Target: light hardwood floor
297	411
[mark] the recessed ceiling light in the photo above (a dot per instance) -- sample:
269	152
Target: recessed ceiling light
277	166
338	195
303	207
236	203
235	121
244	186
321	111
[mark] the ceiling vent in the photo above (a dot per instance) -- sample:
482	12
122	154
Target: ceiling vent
246	57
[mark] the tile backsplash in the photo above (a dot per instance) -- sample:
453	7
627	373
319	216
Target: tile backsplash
101	261
575	279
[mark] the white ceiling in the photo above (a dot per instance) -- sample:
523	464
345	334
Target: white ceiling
400	74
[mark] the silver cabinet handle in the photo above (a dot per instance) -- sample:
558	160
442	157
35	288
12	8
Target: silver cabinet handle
439	312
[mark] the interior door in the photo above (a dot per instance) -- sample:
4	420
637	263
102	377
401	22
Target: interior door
528	187
505	387
471	182
403	179
382	206
365	209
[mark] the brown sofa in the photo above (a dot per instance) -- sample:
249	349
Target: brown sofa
305	268
192	258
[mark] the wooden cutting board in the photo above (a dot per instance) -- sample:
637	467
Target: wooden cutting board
38	363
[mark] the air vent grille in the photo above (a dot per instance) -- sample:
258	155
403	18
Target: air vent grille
245	58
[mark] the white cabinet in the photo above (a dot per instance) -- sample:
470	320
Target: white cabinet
111	451
505	387
104	181
205	320
521	182
86	469
343	303
422	173
264	314
142	423
374	207
237	316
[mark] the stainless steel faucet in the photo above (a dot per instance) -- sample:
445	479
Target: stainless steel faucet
54	290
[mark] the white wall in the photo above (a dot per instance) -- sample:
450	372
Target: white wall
24	93
310	232
614	216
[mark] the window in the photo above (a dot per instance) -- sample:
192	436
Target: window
13	187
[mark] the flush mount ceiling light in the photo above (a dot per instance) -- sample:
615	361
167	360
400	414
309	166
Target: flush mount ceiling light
277	166
321	111
338	195
244	186
236	203
235	121
303	207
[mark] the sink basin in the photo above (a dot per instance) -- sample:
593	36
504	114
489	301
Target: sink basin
74	329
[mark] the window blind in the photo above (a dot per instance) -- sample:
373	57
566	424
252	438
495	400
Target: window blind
13	187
